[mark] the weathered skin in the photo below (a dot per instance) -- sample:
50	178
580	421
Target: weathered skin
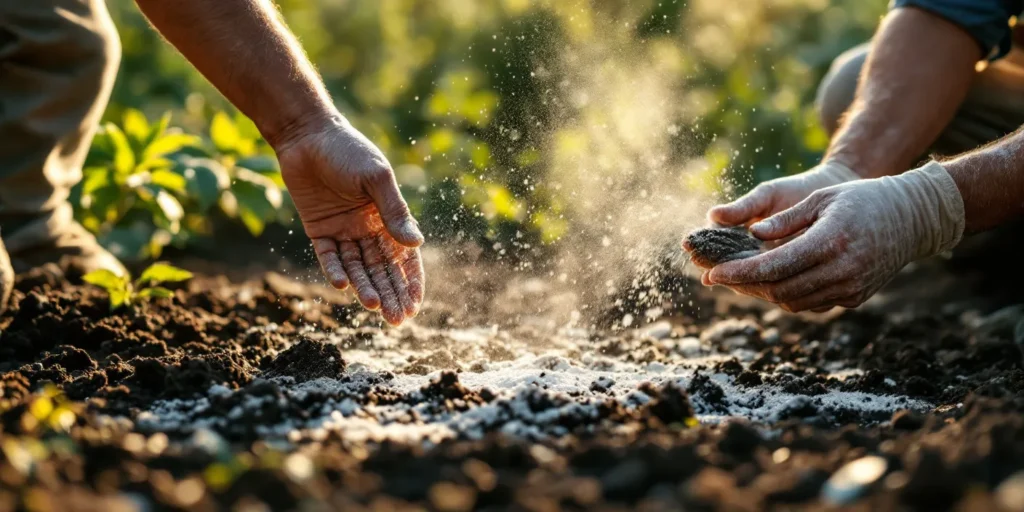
712	246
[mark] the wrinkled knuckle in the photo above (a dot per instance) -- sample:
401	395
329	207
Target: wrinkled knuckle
379	175
764	189
839	243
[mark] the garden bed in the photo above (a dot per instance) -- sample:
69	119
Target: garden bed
275	392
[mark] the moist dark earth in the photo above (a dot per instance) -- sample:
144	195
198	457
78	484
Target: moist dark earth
712	246
268	394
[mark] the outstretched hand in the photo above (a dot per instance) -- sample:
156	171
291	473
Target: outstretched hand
362	231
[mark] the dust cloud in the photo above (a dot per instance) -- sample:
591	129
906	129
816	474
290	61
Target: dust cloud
624	178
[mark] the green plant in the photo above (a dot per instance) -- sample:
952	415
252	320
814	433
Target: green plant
146	185
124	292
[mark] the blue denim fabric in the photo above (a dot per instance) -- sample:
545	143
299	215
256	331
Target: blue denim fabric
986	20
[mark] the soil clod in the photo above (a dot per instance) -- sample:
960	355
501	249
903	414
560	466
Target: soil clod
307	360
713	246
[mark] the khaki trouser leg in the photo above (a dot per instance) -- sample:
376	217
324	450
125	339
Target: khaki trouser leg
58	61
993	108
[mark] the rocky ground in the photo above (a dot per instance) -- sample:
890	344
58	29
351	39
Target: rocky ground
269	394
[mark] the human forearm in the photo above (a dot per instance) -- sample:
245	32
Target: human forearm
917	75
991	182
246	51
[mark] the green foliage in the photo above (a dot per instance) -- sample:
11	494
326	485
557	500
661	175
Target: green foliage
123	292
146	185
493	112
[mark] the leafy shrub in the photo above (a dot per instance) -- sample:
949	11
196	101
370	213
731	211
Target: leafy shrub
123	292
146	185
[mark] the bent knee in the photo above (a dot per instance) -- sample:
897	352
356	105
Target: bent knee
839	87
75	38
100	43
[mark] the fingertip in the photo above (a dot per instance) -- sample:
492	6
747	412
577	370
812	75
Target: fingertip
393	316
720	214
407	232
762	229
719	274
705	280
369	301
339	282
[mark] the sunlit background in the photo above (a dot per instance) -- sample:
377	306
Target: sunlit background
511	124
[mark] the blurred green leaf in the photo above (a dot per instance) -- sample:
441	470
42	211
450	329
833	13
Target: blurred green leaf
205	180
224	134
252	220
105	279
262	164
169	143
124	157
136	127
169	180
157	131
155	292
162	273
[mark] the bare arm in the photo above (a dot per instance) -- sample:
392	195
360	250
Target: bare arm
245	50
343	186
917	75
991	182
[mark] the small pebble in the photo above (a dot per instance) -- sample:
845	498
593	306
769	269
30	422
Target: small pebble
1010	493
854	480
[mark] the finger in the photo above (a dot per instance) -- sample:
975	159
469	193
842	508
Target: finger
393	256
375	265
804	283
788	222
330	262
352	259
754	205
704	280
414	274
395	212
687	246
824	309
802	253
826	298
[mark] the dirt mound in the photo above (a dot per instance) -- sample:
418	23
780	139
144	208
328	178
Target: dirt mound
307	360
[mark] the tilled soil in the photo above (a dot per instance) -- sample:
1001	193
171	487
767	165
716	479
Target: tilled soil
270	394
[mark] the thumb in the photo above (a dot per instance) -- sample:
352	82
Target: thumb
394	211
743	210
787	222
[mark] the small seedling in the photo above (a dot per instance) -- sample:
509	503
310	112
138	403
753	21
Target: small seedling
124	292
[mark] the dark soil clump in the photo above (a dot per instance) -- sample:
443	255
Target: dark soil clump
307	360
713	246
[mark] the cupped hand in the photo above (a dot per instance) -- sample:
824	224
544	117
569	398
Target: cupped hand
858	236
774	196
362	231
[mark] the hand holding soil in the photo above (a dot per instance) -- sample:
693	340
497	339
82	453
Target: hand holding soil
712	246
858	236
351	208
